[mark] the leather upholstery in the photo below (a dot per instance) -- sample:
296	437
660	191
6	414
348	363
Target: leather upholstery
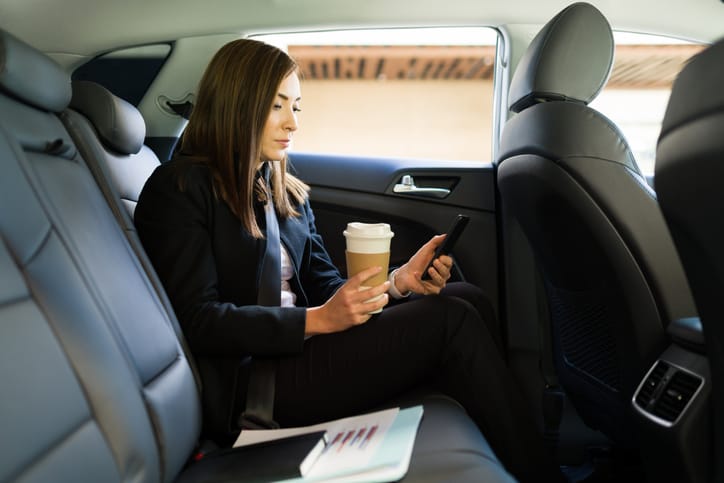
62	315
612	275
119	176
95	382
36	80
135	401
559	65
119	124
697	93
110	135
689	179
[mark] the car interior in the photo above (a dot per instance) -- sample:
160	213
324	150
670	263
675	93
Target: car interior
610	281
605	275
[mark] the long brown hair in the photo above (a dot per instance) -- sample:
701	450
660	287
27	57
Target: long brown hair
234	99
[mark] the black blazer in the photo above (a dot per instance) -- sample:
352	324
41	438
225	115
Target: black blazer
210	267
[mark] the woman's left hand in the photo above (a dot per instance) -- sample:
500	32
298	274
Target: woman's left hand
408	277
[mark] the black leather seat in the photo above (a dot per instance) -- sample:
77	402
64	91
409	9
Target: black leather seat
689	179
566	174
110	134
95	382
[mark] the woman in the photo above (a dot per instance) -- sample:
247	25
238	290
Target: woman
200	219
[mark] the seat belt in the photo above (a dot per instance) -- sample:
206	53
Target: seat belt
553	397
259	410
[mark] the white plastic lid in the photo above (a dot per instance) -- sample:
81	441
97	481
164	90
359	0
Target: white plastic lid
368	237
368	230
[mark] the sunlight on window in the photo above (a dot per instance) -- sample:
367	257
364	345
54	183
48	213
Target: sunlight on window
411	92
637	93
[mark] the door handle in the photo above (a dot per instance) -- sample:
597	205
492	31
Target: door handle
407	186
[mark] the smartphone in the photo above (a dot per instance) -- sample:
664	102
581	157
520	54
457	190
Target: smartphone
453	233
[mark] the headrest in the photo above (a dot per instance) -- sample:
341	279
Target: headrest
119	124
570	59
698	89
29	75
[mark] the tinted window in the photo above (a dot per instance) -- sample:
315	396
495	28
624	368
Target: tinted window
127	73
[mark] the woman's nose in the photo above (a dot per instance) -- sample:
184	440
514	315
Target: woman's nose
290	124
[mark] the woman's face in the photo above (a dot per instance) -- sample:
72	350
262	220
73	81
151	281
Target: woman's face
276	138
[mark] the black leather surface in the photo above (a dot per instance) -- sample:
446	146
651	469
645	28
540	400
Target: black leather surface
688	332
39	376
119	124
95	385
447	449
34	79
87	364
99	305
697	91
689	180
121	178
613	278
36	133
569	59
563	130
592	150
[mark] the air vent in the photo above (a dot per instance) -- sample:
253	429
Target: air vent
646	392
676	396
666	392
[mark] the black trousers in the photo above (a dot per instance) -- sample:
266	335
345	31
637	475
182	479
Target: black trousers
449	342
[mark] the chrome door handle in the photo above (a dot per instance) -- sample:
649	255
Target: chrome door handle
407	186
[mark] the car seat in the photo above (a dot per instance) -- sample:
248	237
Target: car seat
689	176
613	279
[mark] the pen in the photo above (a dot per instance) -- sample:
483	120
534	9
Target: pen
367	439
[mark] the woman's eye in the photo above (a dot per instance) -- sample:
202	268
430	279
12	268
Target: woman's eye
297	109
277	106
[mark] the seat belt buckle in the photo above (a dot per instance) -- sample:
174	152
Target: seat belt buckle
249	420
553	402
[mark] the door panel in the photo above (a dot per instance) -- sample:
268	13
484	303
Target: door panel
348	189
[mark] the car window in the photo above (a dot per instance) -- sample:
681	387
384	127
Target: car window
128	72
416	93
637	92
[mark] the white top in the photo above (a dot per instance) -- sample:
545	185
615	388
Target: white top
288	298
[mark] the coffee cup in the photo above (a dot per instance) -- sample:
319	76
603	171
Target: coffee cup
368	245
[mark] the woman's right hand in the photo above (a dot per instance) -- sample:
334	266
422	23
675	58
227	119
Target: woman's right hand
349	306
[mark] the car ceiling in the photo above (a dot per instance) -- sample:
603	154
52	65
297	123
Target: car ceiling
71	31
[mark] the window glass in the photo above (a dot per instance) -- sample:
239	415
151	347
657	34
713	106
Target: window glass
127	73
418	93
637	92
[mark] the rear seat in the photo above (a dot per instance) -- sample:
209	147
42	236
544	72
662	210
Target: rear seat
109	133
96	384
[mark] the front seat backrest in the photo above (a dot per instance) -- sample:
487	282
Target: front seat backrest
690	181
567	176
